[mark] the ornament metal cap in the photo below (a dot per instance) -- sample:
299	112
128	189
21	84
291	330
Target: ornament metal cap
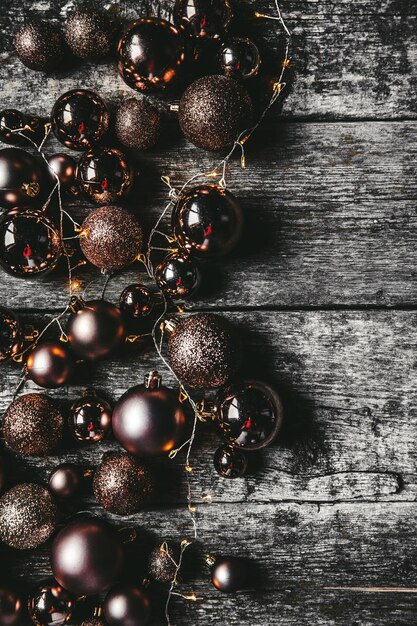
210	560
153	380
169	325
76	304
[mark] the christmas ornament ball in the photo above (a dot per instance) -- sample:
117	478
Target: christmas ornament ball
89	33
93	621
113	238
65	481
39	45
203	19
11	334
51	605
213	111
178	275
230	462
79	119
22	179
11	605
10	120
230	573
105	175
161	564
62	166
50	364
96	330
127	605
90	417
27	516
204	350
239	58
33	425
138	124
136	301
122	484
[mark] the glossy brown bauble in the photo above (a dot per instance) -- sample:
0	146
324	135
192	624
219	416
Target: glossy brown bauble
39	45
89	33
87	556
62	166
11	605
178	275
203	19
66	481
50	364
22	179
239	58
136	301
127	605
96	331
10	120
150	54
138	124
213	112
51	605
105	175
208	221
90	418
230	574
230	462
11	334
79	119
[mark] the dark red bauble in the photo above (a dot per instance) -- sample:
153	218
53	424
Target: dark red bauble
62	166
230	574
89	33
50	364
79	119
230	462
51	605
136	301
148	419
11	334
96	330
138	124
127	605
239	58
105	175
87	556
150	54
39	45
208	220
178	275
11	606
90	417
66	481
23	180
203	19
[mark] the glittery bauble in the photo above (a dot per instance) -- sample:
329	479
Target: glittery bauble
51	605
27	516
11	606
213	111
150	54
65	481
63	166
3	477
229	462
127	605
50	364
207	220
96	330
113	238
89	33
33	425
178	275
11	334
39	45
204	350
90	418
93	621
136	301
230	574
22	179
239	58
30	244
87	556
79	119
121	484
161	564
105	175
138	124
203	19
248	414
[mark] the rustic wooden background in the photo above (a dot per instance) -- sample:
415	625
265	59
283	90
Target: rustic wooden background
324	289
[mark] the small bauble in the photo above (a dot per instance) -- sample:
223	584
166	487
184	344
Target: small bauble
10	120
113	238
39	45
207	220
11	606
248	415
89	34
203	19
162	564
229	462
96	330
213	111
27	516
33	425
30	244
11	334
105	175
127	605
230	574
239	58
66	481
62	166
51	605
150	54
22	179
148	419
87	556
121	484
136	301
79	119
50	364
204	350
138	124
178	275
90	418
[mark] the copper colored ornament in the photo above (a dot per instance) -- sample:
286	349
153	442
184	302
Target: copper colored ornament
239	58
33	425
138	124
178	275
30	244
11	606
89	33
113	238
127	605
50	364
39	45
121	484
148	419
51	605
105	175
204	350
11	119
136	301
27	516
11	334
87	556
66	481
213	112
150	54
231	574
93	621
96	330
203	19
90	417
63	166
161	564
230	462
79	119
22	179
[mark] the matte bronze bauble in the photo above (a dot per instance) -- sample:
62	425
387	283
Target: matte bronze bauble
127	605
105	175
33	425
203	19
121	484
79	119
138	124
51	605
207	220
230	574
230	462
11	334
136	301
239	58
204	350
22	179
213	112
148	419
66	481
90	417
248	414
11	606
62	166
39	45
27	516
50	364
150	54
112	239
89	33
96	331
87	556
162	564
178	275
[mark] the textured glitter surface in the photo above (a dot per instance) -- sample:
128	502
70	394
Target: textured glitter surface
161	564
39	45
121	484
138	124
113	238
33	425
89	34
93	621
205	351
27	516
213	111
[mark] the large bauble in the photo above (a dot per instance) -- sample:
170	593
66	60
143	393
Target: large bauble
105	175
50	364
11	334
89	33
23	180
51	605
203	19
79	119
127	605
96	330
39	45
